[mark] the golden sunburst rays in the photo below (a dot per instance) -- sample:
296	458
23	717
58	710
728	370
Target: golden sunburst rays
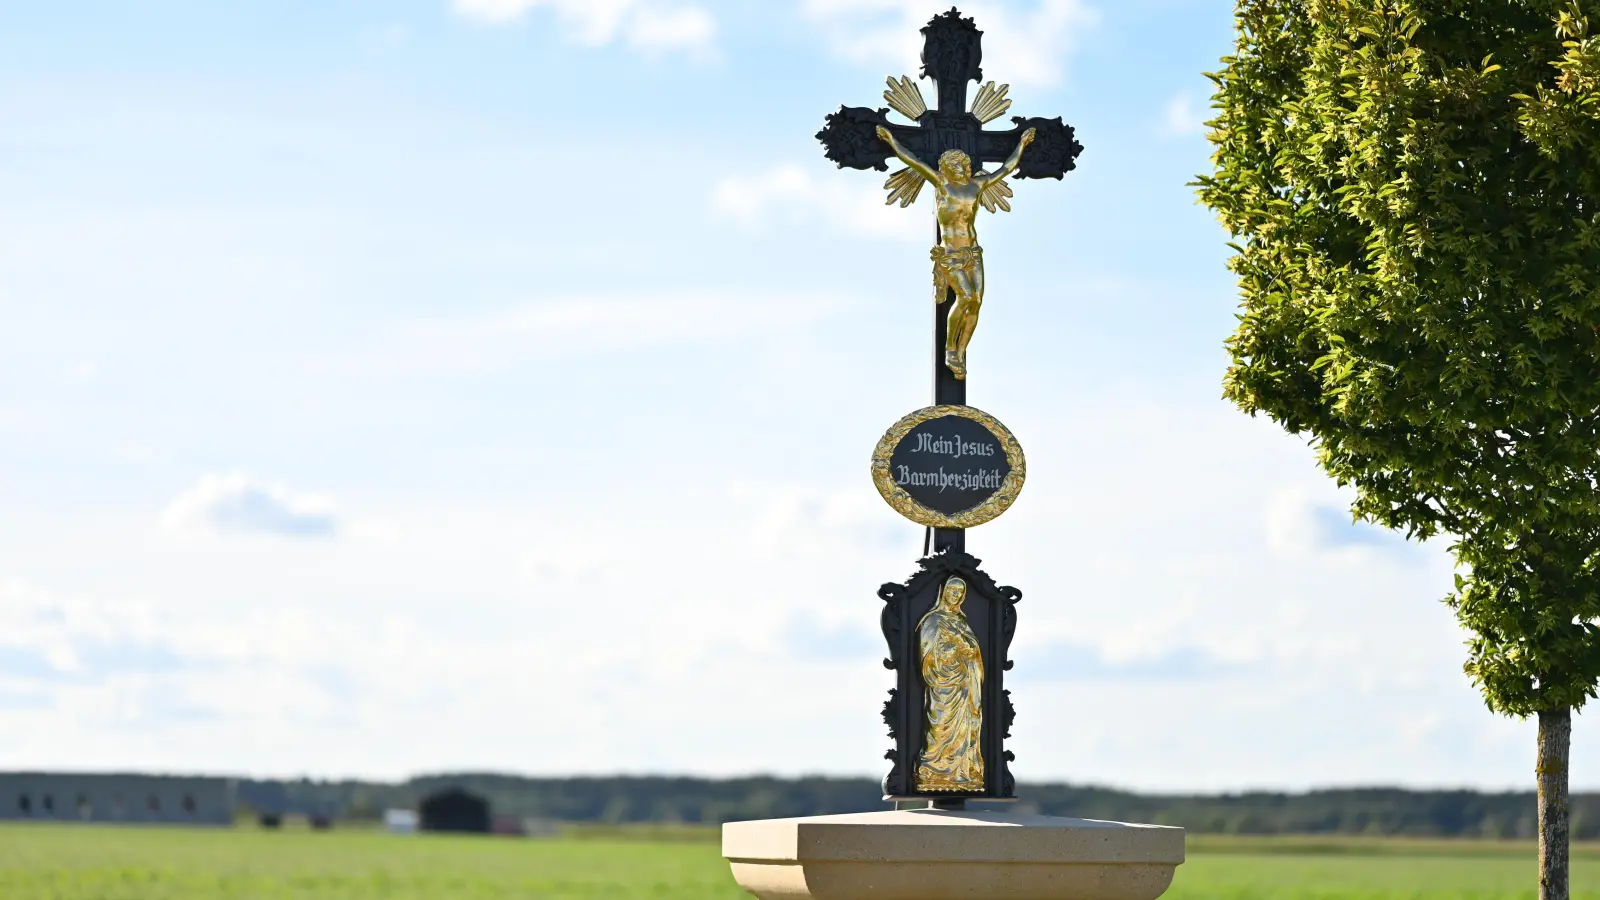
991	102
995	193
905	97
904	186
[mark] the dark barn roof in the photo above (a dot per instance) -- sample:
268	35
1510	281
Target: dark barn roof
454	809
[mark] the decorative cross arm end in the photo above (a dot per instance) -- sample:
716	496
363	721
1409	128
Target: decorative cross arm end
1054	151
850	138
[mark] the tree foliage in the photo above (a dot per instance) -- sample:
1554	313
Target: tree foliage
1413	187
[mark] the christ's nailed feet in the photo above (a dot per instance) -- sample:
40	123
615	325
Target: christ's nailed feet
956	362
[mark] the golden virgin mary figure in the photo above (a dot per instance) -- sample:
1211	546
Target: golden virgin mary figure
952	669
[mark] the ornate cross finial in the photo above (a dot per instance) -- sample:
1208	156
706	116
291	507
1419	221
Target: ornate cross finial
952	55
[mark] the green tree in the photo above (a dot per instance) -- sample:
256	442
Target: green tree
1413	187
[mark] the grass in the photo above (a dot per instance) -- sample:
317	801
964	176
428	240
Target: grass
102	863
93	863
1286	876
1347	845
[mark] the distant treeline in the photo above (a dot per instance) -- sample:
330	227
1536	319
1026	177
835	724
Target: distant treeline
697	801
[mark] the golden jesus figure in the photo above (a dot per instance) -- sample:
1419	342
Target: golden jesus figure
958	260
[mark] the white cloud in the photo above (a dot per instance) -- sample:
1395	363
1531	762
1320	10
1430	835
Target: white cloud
235	503
795	521
1302	521
790	195
1021	46
568	327
1153	576
1183	117
645	25
153	674
665	28
71	642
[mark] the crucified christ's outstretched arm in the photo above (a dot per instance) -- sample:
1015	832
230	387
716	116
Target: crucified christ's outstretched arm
907	157
1011	163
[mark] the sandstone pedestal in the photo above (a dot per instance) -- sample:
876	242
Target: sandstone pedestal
931	854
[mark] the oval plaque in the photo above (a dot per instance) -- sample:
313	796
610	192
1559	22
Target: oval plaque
949	467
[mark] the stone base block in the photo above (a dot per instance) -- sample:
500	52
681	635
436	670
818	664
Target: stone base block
930	854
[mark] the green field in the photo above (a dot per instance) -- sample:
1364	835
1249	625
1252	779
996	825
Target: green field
87	863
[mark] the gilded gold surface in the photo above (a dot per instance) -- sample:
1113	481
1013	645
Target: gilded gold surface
905	505
906	97
903	186
991	102
952	671
996	196
958	193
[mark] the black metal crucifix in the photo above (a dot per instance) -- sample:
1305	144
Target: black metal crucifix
952	56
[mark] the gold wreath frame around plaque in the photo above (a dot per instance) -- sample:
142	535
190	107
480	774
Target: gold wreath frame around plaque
903	503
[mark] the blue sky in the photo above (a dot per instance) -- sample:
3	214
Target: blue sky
392	387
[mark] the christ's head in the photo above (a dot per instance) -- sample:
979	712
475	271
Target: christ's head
957	167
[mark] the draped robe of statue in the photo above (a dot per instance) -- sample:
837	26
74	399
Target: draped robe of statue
952	670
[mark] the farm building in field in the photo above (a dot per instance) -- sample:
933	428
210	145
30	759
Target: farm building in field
455	809
132	799
400	821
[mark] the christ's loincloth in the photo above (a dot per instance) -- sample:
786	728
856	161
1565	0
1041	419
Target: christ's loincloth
947	261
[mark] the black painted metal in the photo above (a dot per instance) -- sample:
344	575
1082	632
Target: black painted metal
952	539
991	610
947	388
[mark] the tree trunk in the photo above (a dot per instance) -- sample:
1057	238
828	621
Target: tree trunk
1555	746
